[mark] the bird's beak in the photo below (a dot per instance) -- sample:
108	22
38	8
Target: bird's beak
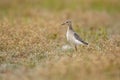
63	24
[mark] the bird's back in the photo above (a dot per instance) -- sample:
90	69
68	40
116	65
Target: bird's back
80	39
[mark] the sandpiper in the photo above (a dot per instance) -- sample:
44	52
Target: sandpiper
72	37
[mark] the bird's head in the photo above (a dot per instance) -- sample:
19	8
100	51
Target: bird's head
67	22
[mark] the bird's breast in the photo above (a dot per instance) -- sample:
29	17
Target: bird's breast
70	38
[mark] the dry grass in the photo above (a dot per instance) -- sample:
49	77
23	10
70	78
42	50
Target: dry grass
31	42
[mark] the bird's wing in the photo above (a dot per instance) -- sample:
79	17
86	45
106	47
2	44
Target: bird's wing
80	39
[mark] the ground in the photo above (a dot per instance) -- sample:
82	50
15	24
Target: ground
31	40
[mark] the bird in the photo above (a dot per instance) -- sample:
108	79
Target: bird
72	37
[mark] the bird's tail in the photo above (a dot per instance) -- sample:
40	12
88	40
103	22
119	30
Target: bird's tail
85	43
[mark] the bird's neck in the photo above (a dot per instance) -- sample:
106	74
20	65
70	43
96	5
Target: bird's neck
70	27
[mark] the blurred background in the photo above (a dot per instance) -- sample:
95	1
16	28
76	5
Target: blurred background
6	6
31	37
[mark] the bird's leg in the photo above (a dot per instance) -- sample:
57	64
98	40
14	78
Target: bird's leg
75	47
